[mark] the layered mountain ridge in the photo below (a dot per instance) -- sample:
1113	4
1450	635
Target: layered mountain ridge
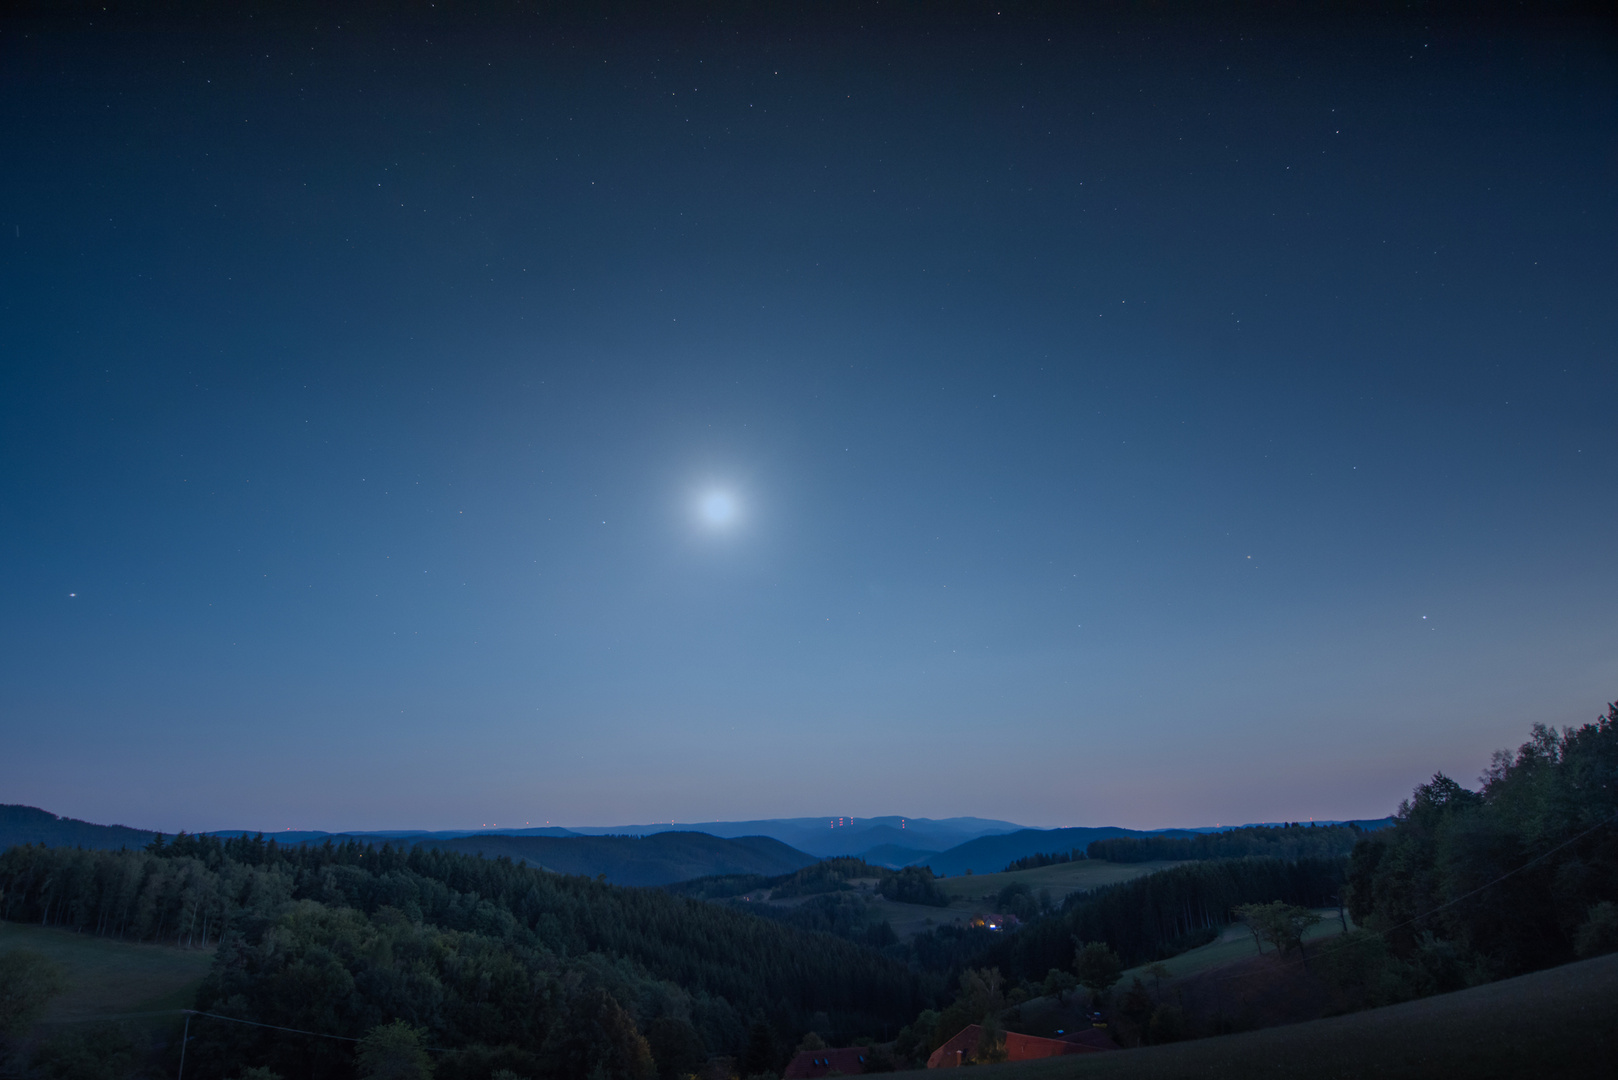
662	854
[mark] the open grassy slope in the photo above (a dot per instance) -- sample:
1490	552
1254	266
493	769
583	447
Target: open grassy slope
980	889
908	920
107	977
1235	943
1558	1023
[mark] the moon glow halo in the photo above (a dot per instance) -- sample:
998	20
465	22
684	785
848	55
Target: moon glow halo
718	509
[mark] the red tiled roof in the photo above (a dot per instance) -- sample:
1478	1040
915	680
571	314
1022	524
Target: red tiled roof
1018	1047
811	1063
950	1054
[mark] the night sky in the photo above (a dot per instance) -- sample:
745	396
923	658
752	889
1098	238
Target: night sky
596	417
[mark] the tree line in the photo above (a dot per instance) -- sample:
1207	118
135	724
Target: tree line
828	875
1470	886
911	885
1292	841
135	896
1034	862
848	915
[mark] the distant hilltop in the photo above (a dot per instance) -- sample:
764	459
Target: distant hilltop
31	825
666	853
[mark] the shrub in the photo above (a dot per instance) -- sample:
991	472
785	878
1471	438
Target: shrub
914	885
28	981
1599	934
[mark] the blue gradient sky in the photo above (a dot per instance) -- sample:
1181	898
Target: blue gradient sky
1133	421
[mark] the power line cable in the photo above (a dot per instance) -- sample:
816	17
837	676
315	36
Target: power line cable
295	1031
272	1027
1324	950
185	1036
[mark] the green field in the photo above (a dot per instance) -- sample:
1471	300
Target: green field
108	978
1559	1023
976	890
1234	943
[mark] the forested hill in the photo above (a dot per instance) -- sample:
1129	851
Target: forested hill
1274	841
658	859
987	854
511	967
31	825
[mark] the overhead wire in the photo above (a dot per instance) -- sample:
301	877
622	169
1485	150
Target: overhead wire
1327	950
295	1031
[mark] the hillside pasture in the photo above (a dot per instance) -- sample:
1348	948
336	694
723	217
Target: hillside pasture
1562	1022
974	891
1226	976
108	978
1235	943
908	920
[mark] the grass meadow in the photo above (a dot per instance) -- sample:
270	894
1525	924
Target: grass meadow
1234	943
977	890
109	978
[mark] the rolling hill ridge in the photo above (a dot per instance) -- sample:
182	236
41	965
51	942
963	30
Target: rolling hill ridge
31	825
658	859
661	855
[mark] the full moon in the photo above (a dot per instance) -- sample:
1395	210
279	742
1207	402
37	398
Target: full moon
718	508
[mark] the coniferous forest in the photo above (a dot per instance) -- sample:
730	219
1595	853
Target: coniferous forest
497	962
1276	841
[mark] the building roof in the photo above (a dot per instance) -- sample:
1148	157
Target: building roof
849	1061
1018	1047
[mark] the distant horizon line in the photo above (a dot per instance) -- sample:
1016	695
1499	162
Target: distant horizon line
695	826
982	826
